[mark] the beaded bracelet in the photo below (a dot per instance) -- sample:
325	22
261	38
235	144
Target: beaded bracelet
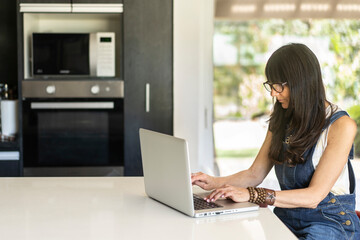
252	194
262	196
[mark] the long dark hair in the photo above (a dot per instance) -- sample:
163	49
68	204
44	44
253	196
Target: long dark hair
305	116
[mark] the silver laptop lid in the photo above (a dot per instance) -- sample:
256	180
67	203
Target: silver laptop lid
167	176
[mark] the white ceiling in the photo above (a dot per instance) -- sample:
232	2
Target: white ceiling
287	9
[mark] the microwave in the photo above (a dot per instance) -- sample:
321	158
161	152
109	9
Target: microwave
73	54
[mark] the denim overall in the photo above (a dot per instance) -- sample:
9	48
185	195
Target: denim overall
334	218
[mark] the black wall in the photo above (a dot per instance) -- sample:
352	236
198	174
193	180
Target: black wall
8	49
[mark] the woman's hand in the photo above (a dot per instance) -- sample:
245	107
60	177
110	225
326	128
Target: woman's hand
234	193
204	181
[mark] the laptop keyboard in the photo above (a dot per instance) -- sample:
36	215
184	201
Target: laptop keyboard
200	203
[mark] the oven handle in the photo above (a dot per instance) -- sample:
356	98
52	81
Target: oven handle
72	105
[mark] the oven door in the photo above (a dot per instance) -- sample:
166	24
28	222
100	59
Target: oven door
73	132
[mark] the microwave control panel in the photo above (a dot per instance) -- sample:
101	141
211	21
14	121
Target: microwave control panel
102	54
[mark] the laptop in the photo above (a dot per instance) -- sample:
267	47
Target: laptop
167	178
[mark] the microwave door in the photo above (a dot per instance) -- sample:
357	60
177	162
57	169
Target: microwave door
60	54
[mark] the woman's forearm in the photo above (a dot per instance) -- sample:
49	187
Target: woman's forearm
243	179
305	198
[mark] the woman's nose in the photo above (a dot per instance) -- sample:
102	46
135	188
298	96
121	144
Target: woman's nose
273	92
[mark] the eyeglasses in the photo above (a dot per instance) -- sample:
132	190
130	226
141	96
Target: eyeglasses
278	87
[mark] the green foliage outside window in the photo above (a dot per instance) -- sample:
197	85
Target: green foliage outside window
354	112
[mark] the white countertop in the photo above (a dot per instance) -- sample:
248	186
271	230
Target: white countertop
109	208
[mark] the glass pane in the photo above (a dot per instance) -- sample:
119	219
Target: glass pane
73	138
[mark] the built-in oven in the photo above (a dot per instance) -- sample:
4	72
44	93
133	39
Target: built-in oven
73	128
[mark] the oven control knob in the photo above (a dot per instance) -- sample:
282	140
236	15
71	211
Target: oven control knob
95	89
50	89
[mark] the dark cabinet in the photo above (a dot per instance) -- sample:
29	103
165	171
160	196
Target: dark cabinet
8	56
10	164
8	69
148	74
9	168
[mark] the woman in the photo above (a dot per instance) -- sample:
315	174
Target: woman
310	143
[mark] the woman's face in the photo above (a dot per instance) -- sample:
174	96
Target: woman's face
283	98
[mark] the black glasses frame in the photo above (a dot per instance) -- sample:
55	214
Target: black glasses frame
268	86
